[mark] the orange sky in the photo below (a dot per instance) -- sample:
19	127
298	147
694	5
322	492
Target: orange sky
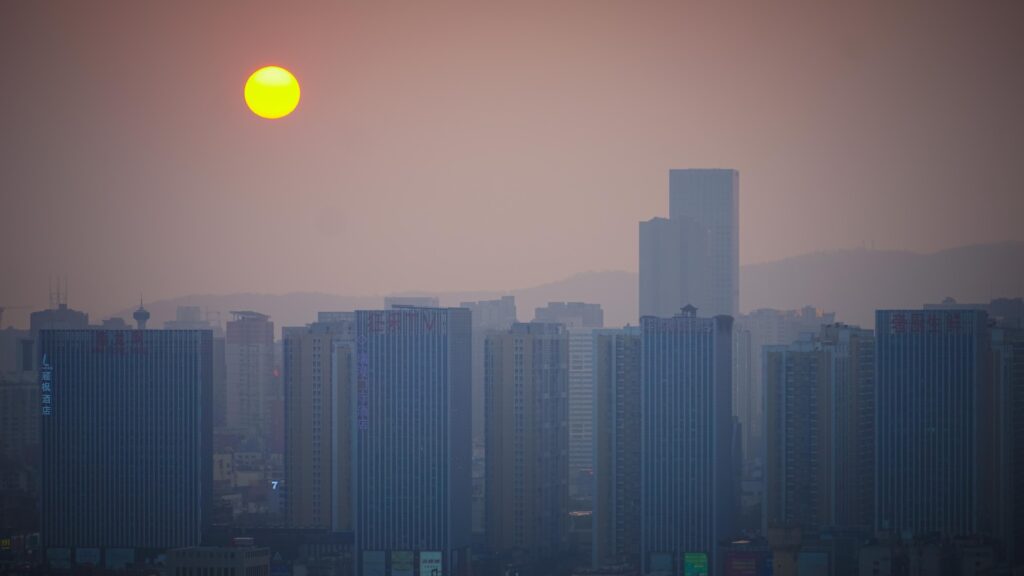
486	145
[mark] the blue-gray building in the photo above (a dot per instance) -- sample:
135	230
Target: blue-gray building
526	377
126	438
693	257
687	479
819	443
412	449
616	517
932	451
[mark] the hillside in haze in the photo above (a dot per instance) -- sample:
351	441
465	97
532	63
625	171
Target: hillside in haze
853	283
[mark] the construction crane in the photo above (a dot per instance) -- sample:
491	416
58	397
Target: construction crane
2	308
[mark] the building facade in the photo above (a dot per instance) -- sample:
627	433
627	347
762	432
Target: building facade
820	431
249	353
674	266
318	432
687	483
126	437
616	516
932	390
710	197
580	319
692	258
753	331
489	316
412	429
527	377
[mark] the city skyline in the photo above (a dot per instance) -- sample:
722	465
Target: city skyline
588	288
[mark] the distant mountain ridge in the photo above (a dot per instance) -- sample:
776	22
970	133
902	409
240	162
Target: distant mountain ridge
852	283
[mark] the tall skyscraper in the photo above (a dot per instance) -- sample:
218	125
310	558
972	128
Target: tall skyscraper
126	437
820	432
692	258
412	431
616	516
710	198
580	319
931	405
527	439
318	424
489	316
687	491
249	352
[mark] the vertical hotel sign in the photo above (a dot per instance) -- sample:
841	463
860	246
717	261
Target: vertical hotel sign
46	385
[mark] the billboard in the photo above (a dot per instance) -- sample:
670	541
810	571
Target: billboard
695	564
430	563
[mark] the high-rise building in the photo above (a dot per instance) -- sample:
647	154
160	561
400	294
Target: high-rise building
686	452
616	514
931	403
820	433
710	198
126	437
1006	428
57	317
412	446
674	266
760	328
580	319
692	258
489	316
318	431
249	353
851	371
19	432
19	418
745	404
17	352
526	374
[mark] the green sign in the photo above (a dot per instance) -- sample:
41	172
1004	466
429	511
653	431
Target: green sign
695	564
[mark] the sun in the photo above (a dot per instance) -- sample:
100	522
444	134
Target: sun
272	92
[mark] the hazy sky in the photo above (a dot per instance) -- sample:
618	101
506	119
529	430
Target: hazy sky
486	145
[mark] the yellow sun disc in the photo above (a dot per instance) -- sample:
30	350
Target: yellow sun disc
272	92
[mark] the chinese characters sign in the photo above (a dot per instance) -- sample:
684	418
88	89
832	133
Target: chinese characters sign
46	385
